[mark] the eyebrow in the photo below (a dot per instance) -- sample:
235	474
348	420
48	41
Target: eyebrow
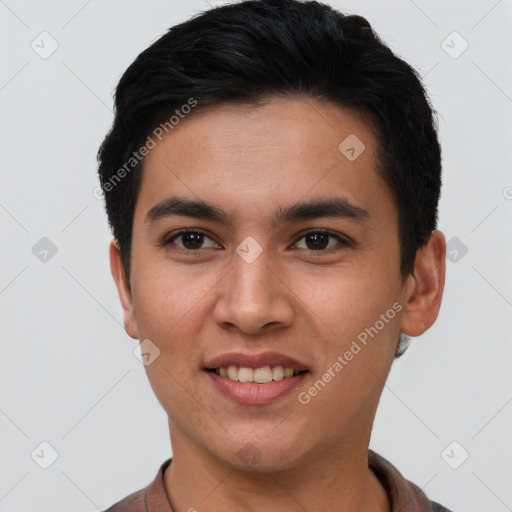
337	207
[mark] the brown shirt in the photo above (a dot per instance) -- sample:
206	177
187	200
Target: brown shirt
403	495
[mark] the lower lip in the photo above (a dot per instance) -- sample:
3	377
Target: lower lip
253	394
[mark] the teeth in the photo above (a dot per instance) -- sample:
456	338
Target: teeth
263	375
232	371
259	375
277	373
245	374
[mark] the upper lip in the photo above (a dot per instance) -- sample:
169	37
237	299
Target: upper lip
254	360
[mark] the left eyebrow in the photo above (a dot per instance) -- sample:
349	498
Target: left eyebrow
333	207
336	207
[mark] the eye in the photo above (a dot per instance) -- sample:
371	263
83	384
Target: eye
314	241
318	241
191	241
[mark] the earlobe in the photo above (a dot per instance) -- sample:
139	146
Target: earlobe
123	289
423	290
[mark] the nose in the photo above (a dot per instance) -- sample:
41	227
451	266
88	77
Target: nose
254	297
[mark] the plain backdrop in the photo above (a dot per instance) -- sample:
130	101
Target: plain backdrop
68	374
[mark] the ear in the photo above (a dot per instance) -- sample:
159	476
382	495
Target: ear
123	289
424	287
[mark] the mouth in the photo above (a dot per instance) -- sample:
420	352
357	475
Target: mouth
261	375
255	378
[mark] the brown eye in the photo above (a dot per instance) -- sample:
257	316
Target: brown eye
190	240
319	241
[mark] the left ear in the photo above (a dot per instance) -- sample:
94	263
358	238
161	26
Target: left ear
424	287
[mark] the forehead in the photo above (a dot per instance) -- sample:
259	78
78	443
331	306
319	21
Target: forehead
253	160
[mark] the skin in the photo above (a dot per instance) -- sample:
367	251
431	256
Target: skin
292	299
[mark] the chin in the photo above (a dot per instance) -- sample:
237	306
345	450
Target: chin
262	455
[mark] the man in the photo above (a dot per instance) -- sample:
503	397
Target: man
272	179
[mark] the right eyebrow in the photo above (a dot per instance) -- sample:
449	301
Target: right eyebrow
179	206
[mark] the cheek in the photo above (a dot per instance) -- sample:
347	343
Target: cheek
362	313
167	299
357	361
348	300
167	305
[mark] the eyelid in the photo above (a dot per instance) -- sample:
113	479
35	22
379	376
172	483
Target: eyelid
167	239
343	240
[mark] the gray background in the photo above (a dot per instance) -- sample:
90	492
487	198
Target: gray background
68	374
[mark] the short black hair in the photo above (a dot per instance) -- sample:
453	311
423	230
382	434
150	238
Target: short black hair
254	50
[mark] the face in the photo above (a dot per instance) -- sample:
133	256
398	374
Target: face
291	260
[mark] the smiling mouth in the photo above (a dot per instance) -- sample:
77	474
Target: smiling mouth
262	375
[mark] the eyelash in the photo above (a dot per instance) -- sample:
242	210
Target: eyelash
342	241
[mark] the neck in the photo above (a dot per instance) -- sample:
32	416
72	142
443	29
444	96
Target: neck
337	480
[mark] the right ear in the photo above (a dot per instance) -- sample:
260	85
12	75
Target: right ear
123	289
